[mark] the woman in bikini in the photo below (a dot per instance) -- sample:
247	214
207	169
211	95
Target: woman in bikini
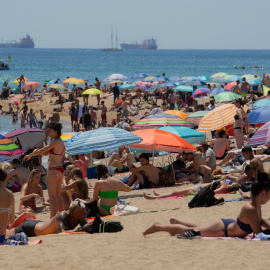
249	220
56	150
240	117
106	189
31	191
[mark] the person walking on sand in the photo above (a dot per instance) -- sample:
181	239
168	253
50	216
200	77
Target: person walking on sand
97	85
56	150
103	113
32	118
116	92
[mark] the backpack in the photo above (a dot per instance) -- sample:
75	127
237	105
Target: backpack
205	198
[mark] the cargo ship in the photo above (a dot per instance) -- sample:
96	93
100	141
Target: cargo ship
147	44
25	42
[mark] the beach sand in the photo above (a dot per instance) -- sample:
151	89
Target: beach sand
129	249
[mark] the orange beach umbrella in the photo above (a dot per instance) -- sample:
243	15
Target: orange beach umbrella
159	140
177	113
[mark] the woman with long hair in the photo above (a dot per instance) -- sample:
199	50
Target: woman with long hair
56	151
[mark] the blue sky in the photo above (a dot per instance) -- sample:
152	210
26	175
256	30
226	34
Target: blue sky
176	24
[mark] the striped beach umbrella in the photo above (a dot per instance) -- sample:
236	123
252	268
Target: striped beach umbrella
200	91
177	113
261	136
196	117
8	148
162	119
218	118
66	136
100	139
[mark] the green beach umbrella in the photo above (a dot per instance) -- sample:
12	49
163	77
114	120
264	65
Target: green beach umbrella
226	97
184	88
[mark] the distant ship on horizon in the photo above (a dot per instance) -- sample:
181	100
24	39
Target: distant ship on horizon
147	44
112	48
25	42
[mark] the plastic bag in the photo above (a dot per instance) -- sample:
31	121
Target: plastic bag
124	210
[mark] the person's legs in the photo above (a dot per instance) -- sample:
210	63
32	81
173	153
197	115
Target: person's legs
118	165
228	157
206	172
113	157
190	224
239	138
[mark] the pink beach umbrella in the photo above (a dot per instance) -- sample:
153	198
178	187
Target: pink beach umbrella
33	84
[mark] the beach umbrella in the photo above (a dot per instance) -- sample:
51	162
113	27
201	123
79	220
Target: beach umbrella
177	113
218	118
92	91
74	81
46	81
99	140
261	136
230	86
262	103
26	138
127	86
8	148
167	84
33	85
190	78
159	79
194	83
116	76
160	140
112	83
254	81
16	82
142	86
175	79
148	79
66	136
226	97
217	90
200	91
259	115
57	86
53	82
184	88
233	78
203	78
219	74
249	76
139	76
190	135
196	117
162	119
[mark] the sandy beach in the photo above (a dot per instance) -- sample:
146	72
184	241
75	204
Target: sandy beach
130	249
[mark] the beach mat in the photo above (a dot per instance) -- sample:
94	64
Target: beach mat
30	243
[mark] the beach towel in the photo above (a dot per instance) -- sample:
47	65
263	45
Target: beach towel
30	243
124	210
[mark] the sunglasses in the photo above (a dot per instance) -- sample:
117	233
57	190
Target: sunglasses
37	171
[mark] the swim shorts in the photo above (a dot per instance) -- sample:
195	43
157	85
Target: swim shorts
28	227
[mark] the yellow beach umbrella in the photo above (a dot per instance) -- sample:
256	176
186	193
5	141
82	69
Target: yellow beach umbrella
218	118
92	91
177	113
73	80
220	74
114	82
17	82
249	76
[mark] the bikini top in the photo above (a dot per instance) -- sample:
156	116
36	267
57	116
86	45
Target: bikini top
110	194
62	153
245	227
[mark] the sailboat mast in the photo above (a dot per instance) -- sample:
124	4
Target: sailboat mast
112	37
116	40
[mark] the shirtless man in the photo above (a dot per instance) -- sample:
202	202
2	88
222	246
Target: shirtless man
64	221
97	85
236	89
147	175
17	177
103	113
93	116
244	87
127	158
125	105
198	167
32	118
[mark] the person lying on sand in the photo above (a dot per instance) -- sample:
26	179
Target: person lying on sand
64	221
249	220
147	175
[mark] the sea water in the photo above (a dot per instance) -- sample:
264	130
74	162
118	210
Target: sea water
49	64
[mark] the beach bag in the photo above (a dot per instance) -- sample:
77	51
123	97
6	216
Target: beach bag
92	209
124	210
166	178
100	226
205	198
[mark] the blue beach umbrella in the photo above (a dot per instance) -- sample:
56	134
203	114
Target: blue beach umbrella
217	90
127	86
53	82
99	140
167	84
194	83
175	79
138	76
259	115
184	88
200	91
203	78
262	103
233	79
254	81
190	135
159	79
190	78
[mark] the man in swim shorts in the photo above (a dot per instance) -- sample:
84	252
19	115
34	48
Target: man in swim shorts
64	221
147	175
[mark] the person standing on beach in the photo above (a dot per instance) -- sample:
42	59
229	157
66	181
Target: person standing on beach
85	96
86	119
125	105
116	92
103	113
56	150
55	115
172	99
97	85
93	117
236	88
73	112
21	81
74	90
32	118
244	87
